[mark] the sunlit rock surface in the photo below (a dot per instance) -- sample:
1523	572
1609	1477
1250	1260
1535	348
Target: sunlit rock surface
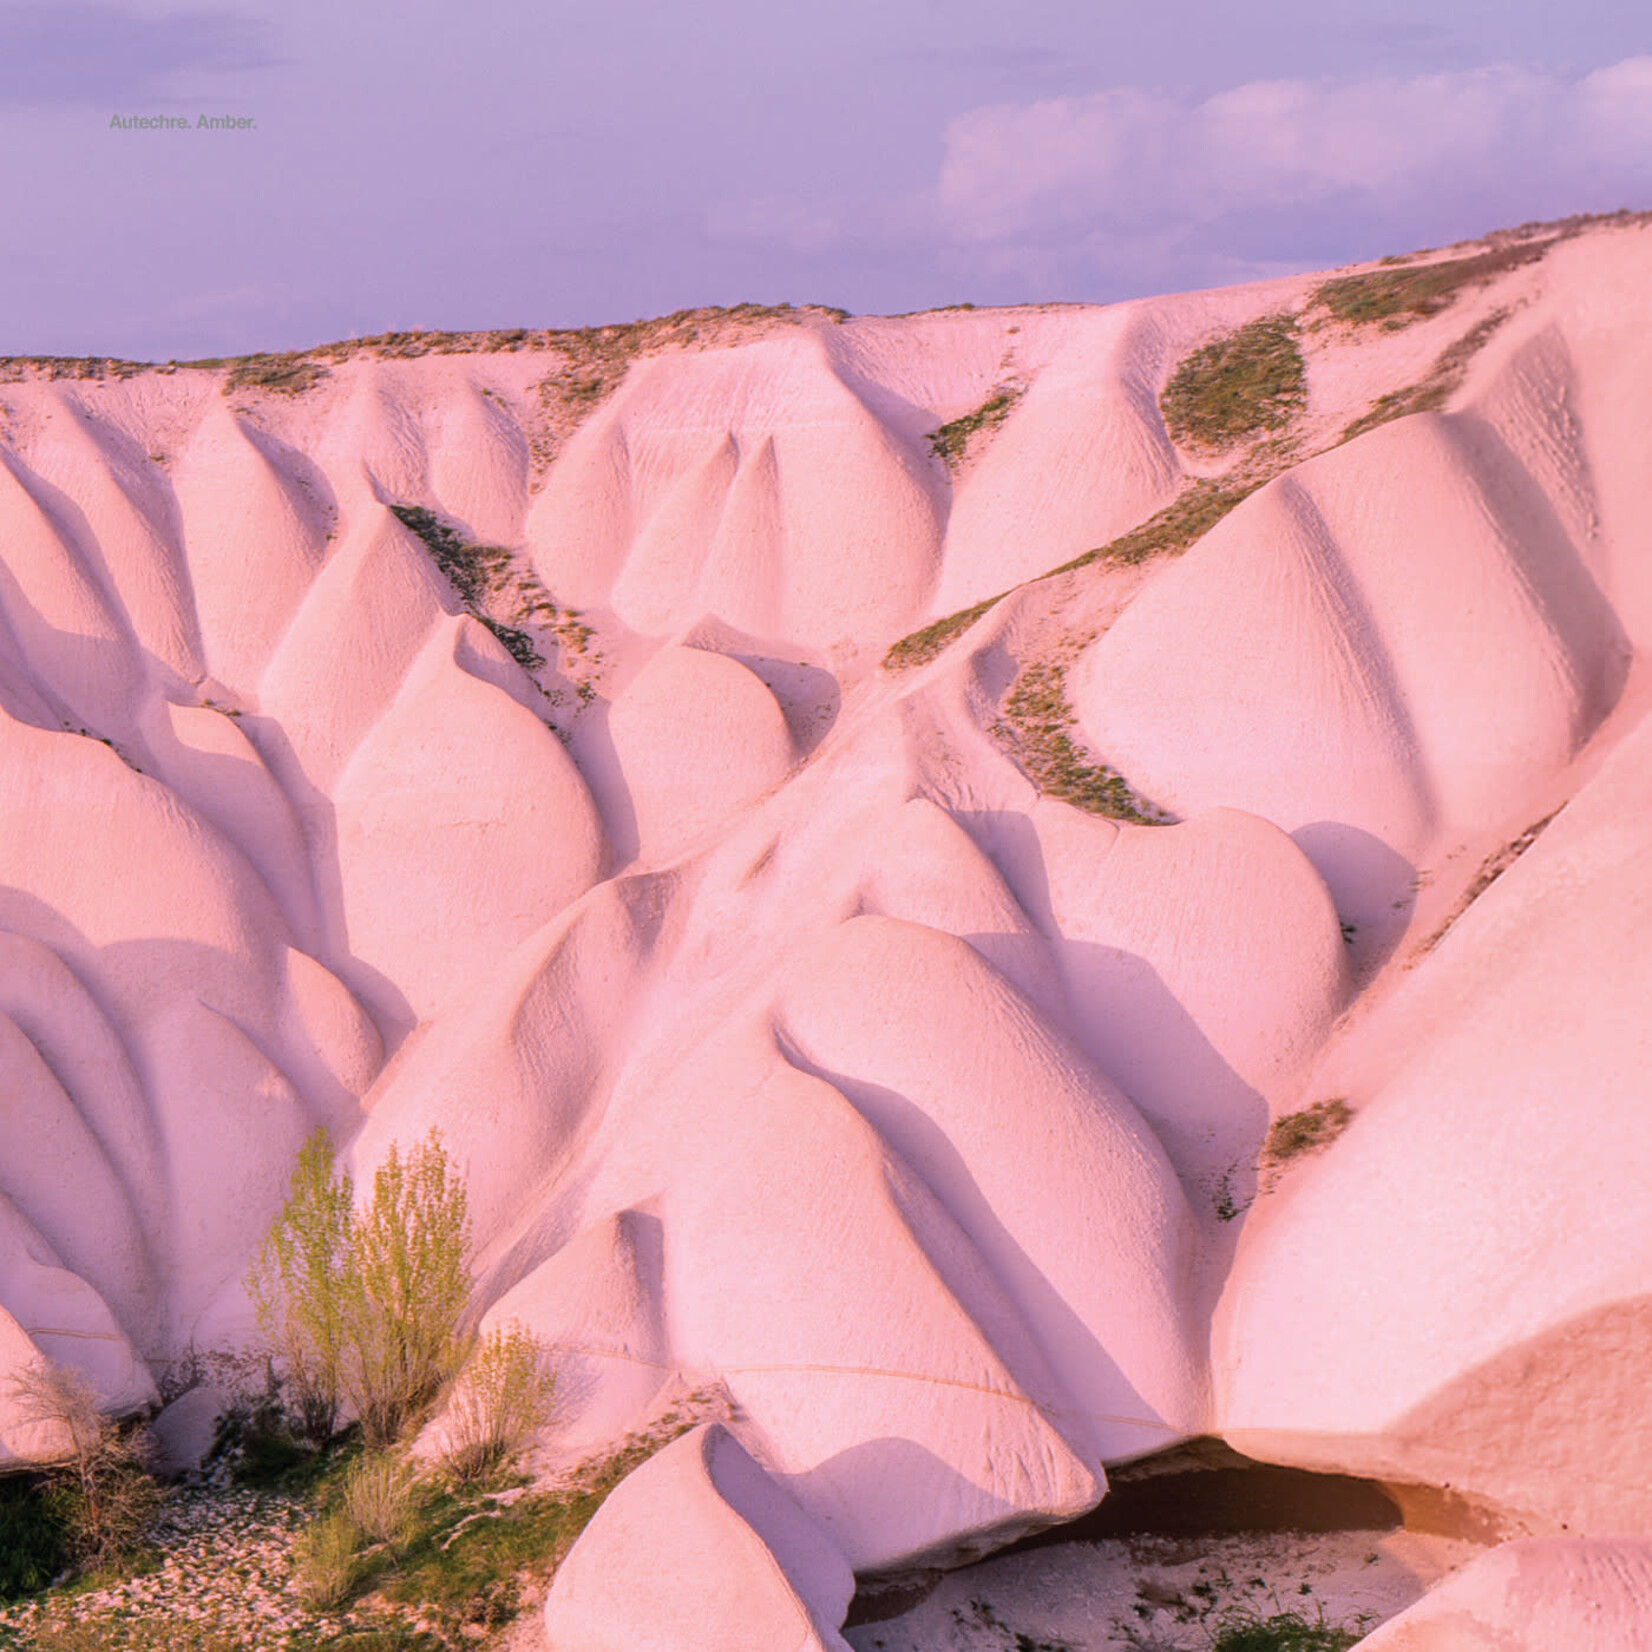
788	1037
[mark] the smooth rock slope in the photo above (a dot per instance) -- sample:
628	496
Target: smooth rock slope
1200	991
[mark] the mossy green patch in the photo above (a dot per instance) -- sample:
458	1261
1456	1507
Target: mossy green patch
1243	385
950	442
1038	723
920	647
1402	294
1187	518
1307	1131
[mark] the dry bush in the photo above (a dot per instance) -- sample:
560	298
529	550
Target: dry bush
108	1494
380	1498
1307	1131
327	1561
502	1396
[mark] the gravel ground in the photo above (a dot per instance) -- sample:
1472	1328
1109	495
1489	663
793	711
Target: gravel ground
224	1566
1165	1594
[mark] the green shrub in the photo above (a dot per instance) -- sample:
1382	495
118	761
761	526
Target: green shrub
369	1303
295	1288
405	1285
1249	382
501	1397
34	1536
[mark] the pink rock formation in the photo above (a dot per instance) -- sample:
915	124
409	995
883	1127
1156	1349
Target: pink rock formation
732	1563
787	1037
1544	1594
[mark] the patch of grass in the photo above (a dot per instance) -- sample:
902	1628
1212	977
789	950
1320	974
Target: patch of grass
1285	1632
328	1561
289	374
1307	1131
17	369
478	573
1038	723
473	1552
920	647
950	443
1431	392
34	1536
467	567
64	1632
1186	519
1400	295
1245	384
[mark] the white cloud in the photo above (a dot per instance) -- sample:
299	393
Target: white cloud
1128	166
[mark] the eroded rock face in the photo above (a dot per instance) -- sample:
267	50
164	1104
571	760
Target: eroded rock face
1499	1080
733	1563
1546	1594
786	1037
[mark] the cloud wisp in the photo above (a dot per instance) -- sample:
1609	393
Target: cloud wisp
76	52
1128	168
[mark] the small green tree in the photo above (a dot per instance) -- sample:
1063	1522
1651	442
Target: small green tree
366	1307
404	1290
296	1286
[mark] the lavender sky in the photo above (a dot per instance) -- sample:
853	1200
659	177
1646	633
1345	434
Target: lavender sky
503	163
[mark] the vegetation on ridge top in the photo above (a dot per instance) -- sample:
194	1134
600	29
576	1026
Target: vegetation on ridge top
1287	1632
1405	293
